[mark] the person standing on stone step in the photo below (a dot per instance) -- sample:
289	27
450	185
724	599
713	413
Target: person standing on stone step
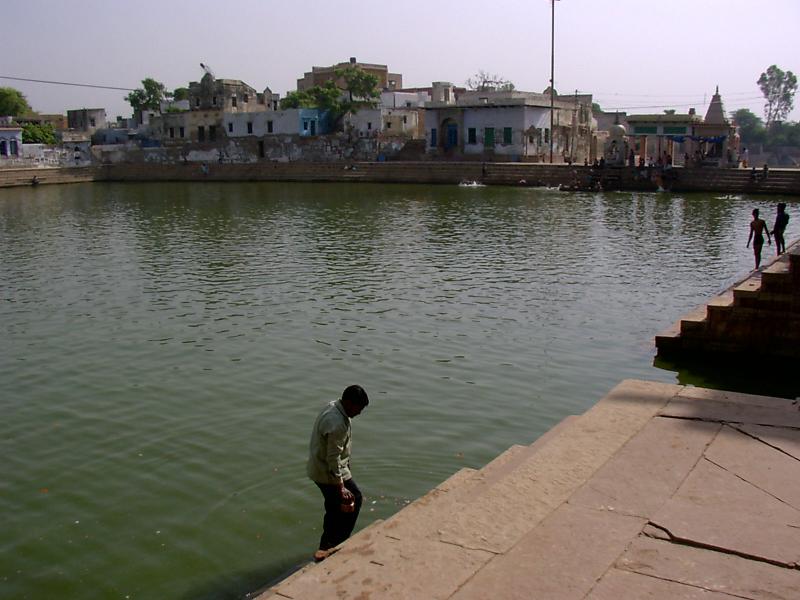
781	222
757	229
329	467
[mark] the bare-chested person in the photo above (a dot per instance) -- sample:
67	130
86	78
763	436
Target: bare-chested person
758	227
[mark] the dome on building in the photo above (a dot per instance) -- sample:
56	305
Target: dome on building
617	130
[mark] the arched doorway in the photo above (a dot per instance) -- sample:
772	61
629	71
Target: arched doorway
449	134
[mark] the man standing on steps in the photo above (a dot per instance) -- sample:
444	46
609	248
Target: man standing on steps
781	221
757	229
329	467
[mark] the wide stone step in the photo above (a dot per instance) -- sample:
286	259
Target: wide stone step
420	560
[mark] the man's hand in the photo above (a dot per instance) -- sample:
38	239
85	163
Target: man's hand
346	495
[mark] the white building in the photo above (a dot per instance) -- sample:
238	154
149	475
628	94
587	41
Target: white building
10	142
511	125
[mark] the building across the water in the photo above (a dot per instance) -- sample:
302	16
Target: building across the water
681	138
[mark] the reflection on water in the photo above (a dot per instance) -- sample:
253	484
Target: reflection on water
167	346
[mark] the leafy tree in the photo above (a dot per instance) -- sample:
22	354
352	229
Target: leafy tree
147	97
181	93
778	89
361	88
13	103
669	111
487	82
751	127
38	134
596	108
300	99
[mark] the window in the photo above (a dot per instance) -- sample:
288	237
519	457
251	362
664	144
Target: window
472	136
181	131
91	122
546	136
249	127
214	101
433	137
212	132
197	101
3	148
269	126
405	119
245	98
369	125
506	135
15	148
230	127
233	101
172	132
305	125
388	124
201	134
488	136
261	148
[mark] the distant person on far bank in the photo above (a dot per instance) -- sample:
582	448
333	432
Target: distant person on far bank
757	229
745	157
329	467
781	222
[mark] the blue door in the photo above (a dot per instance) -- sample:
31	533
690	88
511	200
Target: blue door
452	135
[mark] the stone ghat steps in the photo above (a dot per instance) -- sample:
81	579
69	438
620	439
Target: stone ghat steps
23	177
760	315
435	546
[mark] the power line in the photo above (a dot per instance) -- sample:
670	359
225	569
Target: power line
86	85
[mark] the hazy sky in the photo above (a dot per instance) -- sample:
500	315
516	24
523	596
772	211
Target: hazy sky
636	55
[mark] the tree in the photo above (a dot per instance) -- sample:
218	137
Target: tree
778	89
13	103
147	97
669	111
361	87
596	108
38	134
181	93
487	82
751	127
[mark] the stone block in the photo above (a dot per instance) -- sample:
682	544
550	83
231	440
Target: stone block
561	558
648	470
618	584
708	570
519	501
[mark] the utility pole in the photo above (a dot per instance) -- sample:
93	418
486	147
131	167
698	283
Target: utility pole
552	69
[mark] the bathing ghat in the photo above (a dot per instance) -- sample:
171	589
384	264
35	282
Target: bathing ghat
657	491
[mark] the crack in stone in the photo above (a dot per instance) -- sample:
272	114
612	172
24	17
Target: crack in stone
752	484
691	585
673	539
463	547
766	443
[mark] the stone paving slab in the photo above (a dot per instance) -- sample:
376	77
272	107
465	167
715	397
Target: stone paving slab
637	480
540	485
732	412
784	439
621	584
709	485
716	527
380	567
765	467
709	570
561	558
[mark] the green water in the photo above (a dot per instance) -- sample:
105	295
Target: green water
166	347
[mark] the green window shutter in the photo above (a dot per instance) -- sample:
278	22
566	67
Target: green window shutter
488	136
506	135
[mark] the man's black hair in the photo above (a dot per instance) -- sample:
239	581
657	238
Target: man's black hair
355	394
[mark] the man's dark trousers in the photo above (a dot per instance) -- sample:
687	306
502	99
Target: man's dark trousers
337	525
